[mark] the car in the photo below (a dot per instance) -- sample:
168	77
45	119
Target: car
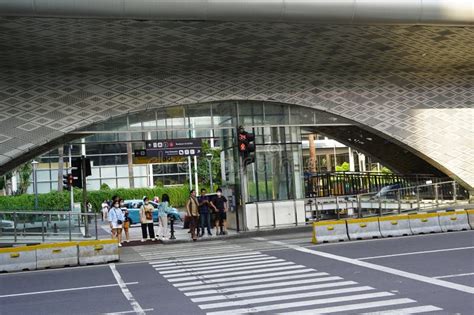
388	192
133	207
6	225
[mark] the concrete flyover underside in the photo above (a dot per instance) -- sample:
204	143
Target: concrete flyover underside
410	84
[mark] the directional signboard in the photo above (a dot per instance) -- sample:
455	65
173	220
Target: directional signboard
173	148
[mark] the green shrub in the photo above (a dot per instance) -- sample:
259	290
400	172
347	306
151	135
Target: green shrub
104	186
56	201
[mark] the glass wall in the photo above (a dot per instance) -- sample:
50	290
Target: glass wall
277	173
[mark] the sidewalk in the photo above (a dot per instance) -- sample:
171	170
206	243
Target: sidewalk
182	235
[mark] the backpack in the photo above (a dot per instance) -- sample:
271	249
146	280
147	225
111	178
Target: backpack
148	215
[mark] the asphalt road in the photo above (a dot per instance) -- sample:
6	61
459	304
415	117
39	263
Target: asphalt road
431	274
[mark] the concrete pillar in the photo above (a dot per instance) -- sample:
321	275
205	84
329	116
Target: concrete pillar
351	160
131	179
328	162
60	167
312	153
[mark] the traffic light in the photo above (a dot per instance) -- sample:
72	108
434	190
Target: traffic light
246	146
76	173
67	182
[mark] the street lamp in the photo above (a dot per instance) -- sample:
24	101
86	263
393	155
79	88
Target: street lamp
209	157
35	182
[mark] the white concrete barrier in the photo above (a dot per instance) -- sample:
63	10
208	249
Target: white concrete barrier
329	231
396	225
363	228
453	220
57	255
17	258
470	215
421	223
98	252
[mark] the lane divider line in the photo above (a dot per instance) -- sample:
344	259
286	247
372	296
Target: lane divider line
128	312
64	290
454	276
417	253
400	273
126	292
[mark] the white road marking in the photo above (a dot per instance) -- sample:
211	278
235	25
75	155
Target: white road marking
180	263
400	273
128	312
293	304
209	258
267	275
417	253
229	260
350	307
191	272
201	285
221	290
251	272
456	275
178	269
64	290
286	290
126	292
408	310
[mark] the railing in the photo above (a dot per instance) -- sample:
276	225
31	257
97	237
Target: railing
47	226
427	197
332	184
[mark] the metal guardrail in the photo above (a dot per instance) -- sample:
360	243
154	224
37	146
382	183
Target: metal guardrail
46	226
426	197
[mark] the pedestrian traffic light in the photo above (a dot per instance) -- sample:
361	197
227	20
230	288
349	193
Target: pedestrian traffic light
77	168
76	173
246	146
67	181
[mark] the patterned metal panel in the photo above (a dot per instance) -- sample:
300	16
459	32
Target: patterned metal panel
413	84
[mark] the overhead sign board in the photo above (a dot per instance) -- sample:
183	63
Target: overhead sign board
172	148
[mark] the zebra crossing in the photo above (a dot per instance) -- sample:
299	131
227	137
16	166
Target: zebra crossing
216	247
249	281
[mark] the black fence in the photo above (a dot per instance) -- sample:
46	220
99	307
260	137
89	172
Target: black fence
352	183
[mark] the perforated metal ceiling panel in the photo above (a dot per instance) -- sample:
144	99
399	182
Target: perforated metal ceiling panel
412	84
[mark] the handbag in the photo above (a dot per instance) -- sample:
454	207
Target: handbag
119	222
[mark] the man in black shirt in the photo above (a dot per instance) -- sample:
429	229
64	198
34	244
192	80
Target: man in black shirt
220	205
204	213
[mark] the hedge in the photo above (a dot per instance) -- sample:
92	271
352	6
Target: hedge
55	201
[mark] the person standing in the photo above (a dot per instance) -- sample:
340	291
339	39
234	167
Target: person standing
126	221
116	219
105	210
163	210
192	207
146	219
204	214
220	205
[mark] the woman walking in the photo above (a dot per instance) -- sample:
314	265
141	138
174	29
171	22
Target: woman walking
146	219
116	219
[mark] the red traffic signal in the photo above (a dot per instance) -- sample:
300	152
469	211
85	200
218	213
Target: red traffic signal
246	145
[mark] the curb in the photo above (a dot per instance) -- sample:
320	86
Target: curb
245	234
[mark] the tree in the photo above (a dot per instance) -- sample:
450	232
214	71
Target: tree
24	171
345	167
203	165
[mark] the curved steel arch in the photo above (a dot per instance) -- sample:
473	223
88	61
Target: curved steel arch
384	148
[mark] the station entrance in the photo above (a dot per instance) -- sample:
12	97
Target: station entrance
293	160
